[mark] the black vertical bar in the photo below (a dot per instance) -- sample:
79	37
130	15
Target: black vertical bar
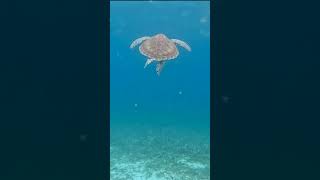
54	95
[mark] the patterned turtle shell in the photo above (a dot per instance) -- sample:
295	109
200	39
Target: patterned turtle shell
159	47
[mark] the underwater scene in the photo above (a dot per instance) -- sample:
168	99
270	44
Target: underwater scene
160	90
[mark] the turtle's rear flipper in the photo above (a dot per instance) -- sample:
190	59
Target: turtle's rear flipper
148	62
159	67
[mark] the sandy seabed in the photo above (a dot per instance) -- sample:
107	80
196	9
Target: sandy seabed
154	153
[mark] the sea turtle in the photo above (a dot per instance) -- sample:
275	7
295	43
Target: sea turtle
159	48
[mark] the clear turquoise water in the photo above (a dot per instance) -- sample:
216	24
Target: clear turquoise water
160	124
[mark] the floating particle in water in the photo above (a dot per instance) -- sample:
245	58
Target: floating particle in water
226	99
204	33
185	13
180	92
83	137
135	107
203	19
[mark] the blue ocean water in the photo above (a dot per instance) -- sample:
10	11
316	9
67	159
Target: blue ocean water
170	110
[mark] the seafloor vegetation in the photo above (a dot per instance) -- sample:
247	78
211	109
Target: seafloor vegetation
142	152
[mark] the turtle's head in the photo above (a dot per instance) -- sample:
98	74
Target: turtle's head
160	36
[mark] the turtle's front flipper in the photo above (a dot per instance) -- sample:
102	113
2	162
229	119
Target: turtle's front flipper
148	62
159	67
138	41
181	43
